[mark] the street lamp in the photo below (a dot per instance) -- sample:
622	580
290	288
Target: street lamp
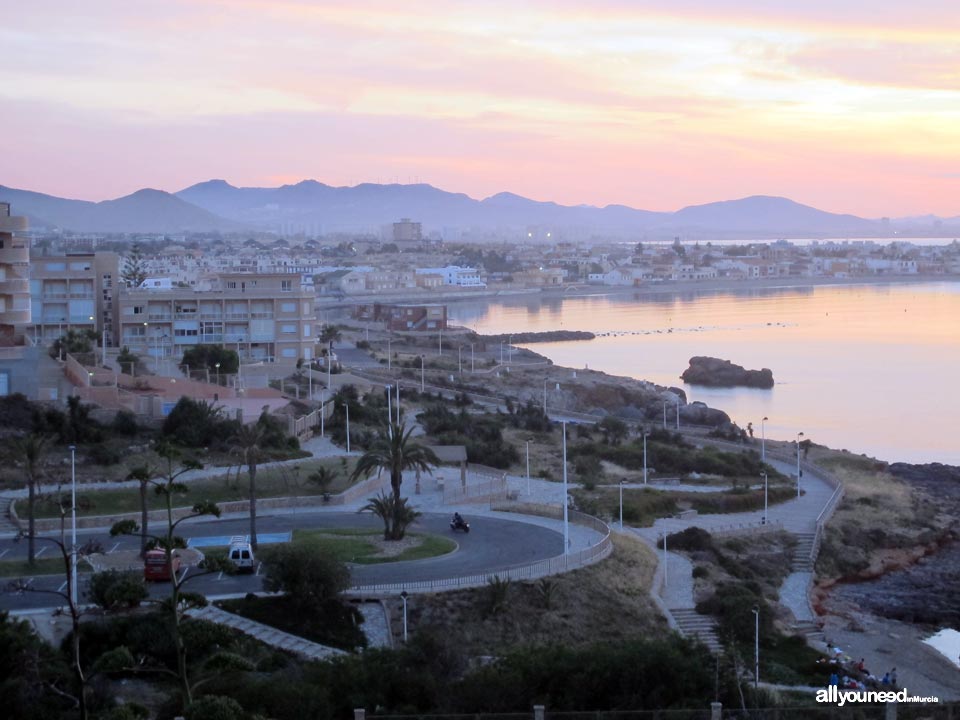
73	524
323	401
471	357
545	395
799	435
645	433
389	353
309	376
756	647
347	408
217	366
389	407
459	360
765	504
528	466
566	528
621	504
398	401
678	412
421	374
403	596
664	414
763	439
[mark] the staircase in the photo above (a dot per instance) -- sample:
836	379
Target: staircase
6	524
808	629
801	553
696	626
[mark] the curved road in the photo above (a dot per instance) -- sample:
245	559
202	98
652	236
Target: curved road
493	545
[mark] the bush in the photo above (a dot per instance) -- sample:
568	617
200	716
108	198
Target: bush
124	423
102	454
307	577
194	423
214	707
207	356
113	589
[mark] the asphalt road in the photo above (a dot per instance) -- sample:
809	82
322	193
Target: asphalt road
492	545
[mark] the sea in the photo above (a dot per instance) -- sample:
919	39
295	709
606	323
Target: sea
871	368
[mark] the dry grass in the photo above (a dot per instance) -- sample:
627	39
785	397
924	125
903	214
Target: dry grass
879	513
609	601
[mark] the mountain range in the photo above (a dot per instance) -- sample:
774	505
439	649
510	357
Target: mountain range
315	208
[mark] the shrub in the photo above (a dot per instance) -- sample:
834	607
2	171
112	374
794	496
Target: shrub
124	423
101	454
197	423
309	578
214	707
113	589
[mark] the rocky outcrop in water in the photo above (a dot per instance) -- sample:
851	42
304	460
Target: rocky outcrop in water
714	372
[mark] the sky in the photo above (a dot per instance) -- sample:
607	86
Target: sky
655	104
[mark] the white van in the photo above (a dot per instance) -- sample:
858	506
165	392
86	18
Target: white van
241	554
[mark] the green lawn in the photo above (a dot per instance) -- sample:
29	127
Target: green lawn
42	566
283	481
353	545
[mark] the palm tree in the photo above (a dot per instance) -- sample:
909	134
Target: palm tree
247	444
394	451
397	515
30	450
143	474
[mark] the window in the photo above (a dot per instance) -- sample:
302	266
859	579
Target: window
288	329
232	285
289	352
306	331
138	309
185	332
286	285
288	307
79	266
56	267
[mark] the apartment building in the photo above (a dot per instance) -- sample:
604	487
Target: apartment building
267	317
18	358
404	316
74	291
456	275
14	277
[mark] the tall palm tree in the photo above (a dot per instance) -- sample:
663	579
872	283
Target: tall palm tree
30	450
247	444
394	451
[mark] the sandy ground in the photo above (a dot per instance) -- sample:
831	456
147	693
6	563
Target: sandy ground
887	644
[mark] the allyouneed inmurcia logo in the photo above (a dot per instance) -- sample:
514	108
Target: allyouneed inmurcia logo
834	694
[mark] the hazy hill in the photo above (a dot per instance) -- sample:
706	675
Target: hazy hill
774	216
313	207
143	211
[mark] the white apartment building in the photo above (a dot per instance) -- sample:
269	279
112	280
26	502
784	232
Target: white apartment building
456	276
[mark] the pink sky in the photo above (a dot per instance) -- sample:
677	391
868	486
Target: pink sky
653	104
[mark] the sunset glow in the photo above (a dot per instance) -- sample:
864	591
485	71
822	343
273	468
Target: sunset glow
651	104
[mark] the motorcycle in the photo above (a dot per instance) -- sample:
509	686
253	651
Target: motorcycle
460	524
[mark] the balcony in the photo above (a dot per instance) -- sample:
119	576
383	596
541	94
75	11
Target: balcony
14	285
160	316
236	316
13	223
67	296
262	315
211	316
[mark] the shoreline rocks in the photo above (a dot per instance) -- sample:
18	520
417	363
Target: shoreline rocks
714	372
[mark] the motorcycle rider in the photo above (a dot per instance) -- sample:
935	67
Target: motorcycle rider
458	520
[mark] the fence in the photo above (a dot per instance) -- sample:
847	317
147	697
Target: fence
543	568
716	711
492	488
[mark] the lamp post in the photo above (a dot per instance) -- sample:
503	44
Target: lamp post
763	439
389	353
421	374
666	574
756	647
545	396
678	413
799	435
645	433
217	366
73	524
459	360
398	402
471	357
329	363
566	528
323	401
510	349
389	406
403	596
664	414
347	408
501	352
309	376
528	466
440	343
765	504
621	505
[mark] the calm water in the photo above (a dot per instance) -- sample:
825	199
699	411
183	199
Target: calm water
874	369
